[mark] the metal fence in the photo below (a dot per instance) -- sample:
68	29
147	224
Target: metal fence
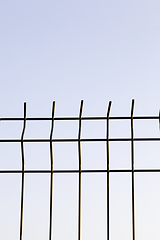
79	140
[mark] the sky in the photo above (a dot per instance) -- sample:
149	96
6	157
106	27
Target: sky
66	51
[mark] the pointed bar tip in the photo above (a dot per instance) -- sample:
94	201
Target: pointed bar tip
25	107
132	107
109	108
53	108
81	108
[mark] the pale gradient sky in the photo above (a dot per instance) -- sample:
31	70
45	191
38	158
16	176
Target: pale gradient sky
66	51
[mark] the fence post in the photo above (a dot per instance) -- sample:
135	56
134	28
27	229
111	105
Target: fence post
132	162
79	156
107	146
22	186
51	177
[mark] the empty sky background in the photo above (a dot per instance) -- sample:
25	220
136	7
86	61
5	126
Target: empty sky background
67	51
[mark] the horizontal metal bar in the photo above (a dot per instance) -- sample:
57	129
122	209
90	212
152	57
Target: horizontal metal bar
81	140
82	171
77	118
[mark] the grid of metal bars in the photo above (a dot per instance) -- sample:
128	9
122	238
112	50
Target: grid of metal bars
80	171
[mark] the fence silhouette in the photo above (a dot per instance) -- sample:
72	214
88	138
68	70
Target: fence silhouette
79	140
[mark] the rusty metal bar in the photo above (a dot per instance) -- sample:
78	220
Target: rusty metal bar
79	156
51	177
22	186
132	162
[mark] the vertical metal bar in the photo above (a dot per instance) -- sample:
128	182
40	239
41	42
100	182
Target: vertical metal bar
51	177
79	156
132	161
107	147
22	187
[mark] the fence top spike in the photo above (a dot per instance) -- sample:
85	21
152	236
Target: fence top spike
53	108
25	105
81	108
132	107
109	108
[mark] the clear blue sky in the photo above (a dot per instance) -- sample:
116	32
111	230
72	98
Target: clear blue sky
67	51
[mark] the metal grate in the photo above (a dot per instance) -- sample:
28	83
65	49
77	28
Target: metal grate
79	140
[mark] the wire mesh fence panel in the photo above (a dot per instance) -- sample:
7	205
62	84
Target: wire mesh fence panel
80	177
